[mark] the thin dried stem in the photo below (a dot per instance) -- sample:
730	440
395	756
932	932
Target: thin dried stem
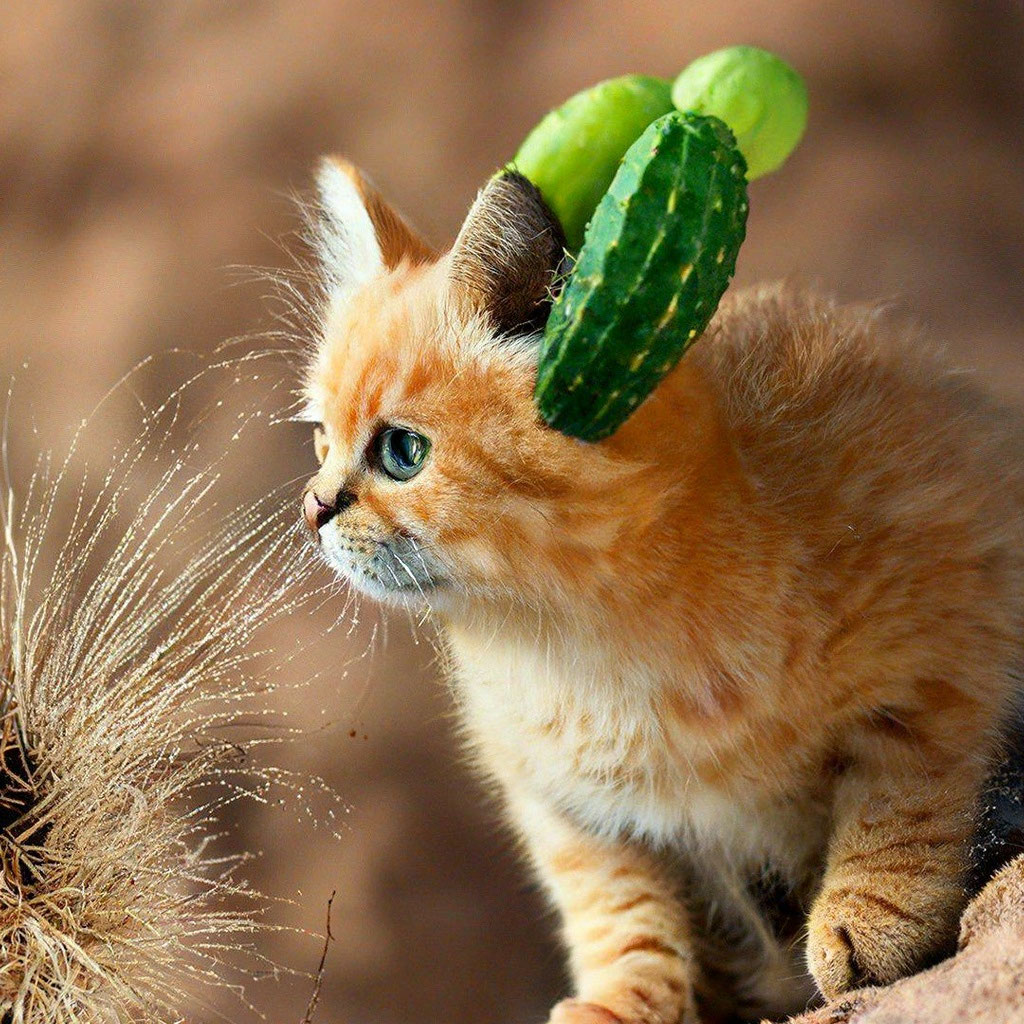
318	981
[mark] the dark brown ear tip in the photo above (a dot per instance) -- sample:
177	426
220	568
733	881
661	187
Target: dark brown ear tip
511	176
534	197
507	256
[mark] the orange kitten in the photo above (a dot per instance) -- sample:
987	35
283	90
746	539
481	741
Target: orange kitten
740	669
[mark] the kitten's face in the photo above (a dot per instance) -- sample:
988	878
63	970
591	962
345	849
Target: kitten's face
438	482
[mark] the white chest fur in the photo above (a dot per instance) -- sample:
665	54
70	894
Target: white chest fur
591	736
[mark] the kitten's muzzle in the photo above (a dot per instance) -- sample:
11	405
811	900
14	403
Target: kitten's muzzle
318	513
385	567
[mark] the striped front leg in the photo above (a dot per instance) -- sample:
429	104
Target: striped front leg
894	881
624	924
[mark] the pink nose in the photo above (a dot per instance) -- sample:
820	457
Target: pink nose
318	513
315	511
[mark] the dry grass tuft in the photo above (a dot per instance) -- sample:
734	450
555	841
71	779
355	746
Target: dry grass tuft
128	656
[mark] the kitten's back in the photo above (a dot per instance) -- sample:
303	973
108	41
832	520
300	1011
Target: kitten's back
897	480
839	414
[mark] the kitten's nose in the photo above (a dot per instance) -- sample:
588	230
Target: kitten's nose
318	513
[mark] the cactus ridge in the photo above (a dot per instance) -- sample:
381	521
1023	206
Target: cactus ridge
597	279
659	253
597	273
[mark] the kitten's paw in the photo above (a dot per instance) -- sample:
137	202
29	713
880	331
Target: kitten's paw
858	938
575	1011
833	961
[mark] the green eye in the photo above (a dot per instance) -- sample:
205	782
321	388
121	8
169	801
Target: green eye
401	452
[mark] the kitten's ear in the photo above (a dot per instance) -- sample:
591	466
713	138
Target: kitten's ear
507	254
358	235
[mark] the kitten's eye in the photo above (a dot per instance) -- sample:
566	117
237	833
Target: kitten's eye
400	452
320	445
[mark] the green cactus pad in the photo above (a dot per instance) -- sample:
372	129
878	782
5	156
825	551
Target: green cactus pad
758	95
657	256
573	153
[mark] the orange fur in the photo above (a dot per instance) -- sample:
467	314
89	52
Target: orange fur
768	625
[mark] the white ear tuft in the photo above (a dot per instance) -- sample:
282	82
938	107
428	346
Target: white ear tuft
345	236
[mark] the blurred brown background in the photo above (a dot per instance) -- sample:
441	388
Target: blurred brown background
146	147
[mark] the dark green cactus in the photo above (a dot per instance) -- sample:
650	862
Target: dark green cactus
658	254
